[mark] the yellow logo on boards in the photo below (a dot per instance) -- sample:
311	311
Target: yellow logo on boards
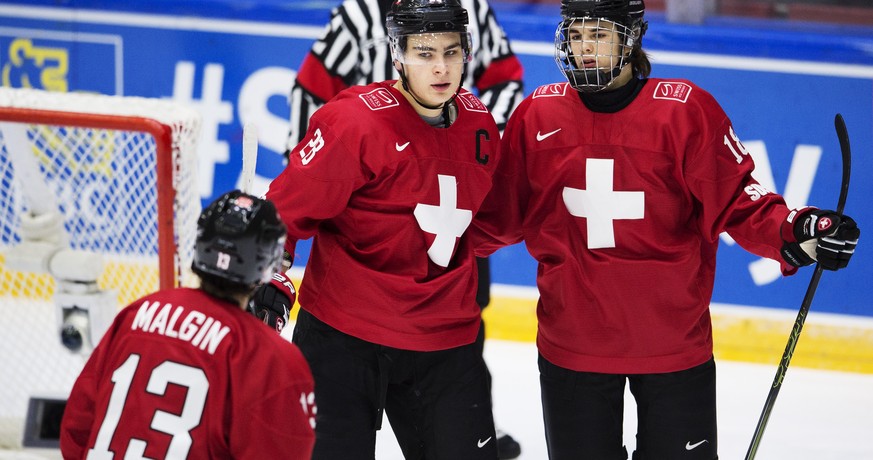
31	66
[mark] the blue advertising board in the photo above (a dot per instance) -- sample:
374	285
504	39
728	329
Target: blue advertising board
235	62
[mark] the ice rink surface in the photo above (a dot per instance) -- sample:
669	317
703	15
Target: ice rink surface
819	415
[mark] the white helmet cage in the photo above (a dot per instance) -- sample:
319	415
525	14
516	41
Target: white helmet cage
600	75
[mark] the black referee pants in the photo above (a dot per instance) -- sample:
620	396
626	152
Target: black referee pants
438	403
583	414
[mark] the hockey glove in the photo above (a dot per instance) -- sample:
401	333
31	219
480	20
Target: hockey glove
834	251
822	236
272	302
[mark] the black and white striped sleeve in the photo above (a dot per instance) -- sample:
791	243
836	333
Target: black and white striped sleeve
496	72
351	51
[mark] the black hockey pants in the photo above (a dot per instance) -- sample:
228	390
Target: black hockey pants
583	414
438	403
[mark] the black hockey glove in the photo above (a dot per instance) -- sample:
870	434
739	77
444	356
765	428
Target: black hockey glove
834	251
820	235
272	302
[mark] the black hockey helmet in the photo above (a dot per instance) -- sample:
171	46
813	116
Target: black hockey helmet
424	16
240	239
628	13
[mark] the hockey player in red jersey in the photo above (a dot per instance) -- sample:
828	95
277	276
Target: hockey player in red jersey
187	373
353	50
387	180
620	185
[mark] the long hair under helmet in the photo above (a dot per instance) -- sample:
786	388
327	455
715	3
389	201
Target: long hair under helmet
413	17
625	17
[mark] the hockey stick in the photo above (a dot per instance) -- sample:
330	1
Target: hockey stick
250	157
843	136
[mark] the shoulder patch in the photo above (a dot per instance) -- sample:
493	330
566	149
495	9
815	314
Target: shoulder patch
471	102
551	90
379	98
672	90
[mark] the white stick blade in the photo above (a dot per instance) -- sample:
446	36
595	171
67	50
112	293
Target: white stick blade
250	157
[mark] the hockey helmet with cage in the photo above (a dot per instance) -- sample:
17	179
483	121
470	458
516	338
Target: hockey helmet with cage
623	16
240	240
411	17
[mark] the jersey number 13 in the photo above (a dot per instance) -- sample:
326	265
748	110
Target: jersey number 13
178	426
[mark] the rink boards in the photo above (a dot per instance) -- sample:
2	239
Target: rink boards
740	333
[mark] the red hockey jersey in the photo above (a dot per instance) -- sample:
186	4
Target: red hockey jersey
180	374
623	211
388	199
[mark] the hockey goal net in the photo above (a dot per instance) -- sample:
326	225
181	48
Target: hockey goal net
119	175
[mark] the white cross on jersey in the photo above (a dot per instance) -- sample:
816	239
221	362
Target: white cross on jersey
445	221
601	204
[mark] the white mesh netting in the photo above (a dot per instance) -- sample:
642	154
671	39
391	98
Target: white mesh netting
116	169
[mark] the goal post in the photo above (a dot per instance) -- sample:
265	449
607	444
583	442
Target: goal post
110	180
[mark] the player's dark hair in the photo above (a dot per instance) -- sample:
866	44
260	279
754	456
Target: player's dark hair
224	289
640	63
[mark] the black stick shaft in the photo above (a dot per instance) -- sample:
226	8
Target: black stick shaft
845	149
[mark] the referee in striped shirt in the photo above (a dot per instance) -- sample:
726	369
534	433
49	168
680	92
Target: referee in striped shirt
353	50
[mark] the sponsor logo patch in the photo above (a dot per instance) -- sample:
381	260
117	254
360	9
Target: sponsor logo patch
672	90
379	98
471	102
551	90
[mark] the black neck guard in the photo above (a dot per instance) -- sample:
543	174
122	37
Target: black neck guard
614	100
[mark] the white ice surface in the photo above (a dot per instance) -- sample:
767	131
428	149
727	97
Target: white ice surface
819	415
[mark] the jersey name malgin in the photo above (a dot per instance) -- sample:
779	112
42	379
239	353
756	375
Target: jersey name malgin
201	331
